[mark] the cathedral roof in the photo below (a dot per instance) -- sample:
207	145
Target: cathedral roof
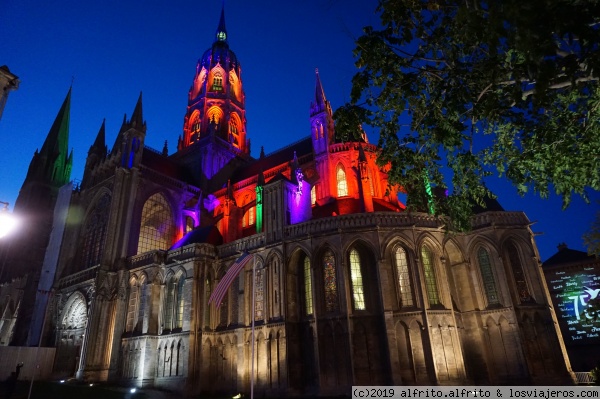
566	256
200	235
274	159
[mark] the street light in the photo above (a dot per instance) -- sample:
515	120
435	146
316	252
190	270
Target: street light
7	220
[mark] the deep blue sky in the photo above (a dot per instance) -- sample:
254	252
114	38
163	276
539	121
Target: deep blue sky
114	49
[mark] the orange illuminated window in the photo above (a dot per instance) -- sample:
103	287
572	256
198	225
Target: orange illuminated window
342	184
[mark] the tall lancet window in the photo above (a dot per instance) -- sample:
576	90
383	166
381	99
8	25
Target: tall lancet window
308	302
518	274
143	306
259	294
157	229
487	276
179	302
358	293
403	275
94	234
330	282
342	184
430	280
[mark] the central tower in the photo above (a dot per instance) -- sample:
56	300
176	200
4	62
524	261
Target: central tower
216	101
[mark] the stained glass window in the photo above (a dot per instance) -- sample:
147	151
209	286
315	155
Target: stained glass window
259	294
313	195
157	228
489	285
94	234
330	282
357	280
404	284
518	274
371	183
308	287
430	280
342	185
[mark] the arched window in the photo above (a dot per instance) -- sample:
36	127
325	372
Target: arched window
358	293
259	294
189	224
487	276
330	282
157	228
517	271
313	195
169	302
430	280
308	303
249	218
143	304
132	308
342	184
94	234
217	82
403	275
179	303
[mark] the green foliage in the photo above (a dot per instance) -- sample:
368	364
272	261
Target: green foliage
467	88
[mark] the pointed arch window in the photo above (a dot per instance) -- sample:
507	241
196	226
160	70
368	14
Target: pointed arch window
342	184
169	301
94	235
518	274
259	294
358	293
313	195
189	224
430	280
403	275
249	218
143	304
157	228
217	84
133	304
487	276
330	282
308	302
179	303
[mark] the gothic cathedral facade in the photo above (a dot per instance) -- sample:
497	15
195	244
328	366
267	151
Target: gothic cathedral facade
349	288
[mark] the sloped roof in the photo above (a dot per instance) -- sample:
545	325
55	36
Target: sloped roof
200	235
284	155
567	256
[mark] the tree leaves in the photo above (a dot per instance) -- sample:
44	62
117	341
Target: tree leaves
457	88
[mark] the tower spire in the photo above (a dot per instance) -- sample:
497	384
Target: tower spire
221	35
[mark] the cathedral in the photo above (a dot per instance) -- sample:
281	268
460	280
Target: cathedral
343	285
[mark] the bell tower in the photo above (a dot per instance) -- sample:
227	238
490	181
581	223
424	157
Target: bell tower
216	100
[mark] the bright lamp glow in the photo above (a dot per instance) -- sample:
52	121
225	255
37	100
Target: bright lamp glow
132	390
7	222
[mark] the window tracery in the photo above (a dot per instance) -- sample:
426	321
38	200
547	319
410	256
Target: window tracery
94	235
157	226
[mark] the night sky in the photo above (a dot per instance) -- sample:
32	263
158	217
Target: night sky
111	50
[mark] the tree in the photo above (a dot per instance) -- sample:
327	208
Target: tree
468	88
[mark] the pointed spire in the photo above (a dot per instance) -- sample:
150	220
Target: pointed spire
221	35
137	119
319	92
100	142
58	138
262	152
165	150
320	104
